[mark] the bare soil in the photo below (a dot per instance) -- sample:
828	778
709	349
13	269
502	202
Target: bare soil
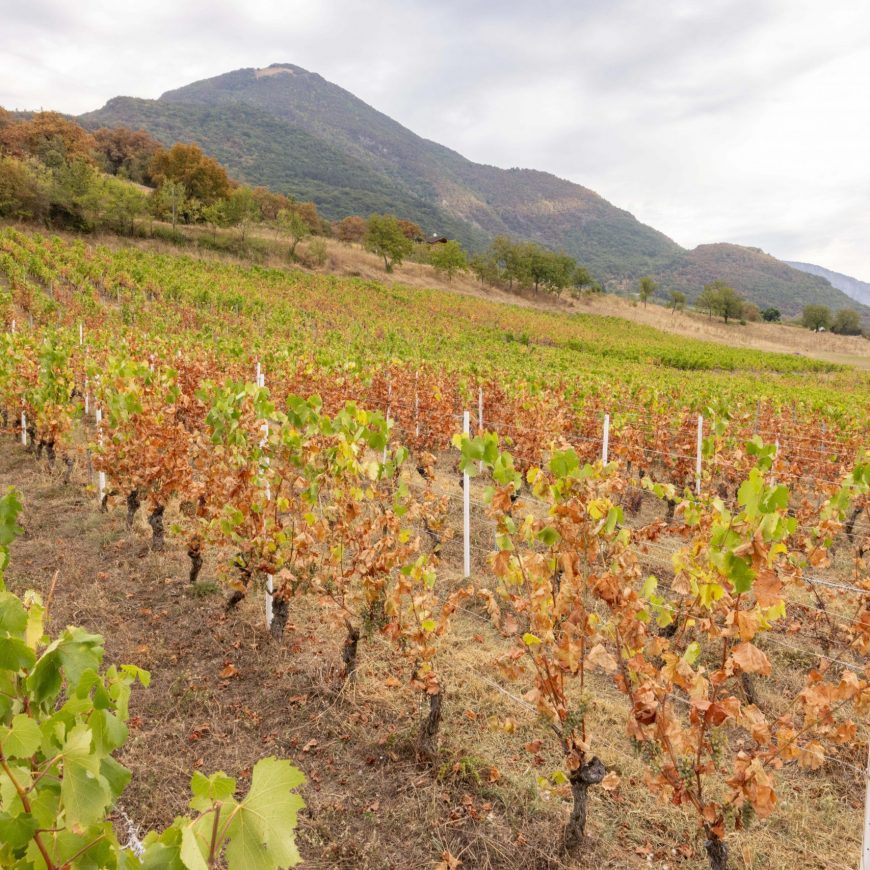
223	695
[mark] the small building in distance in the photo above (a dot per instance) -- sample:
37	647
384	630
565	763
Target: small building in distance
435	239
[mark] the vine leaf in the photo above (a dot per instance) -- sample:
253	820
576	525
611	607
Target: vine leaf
261	833
23	739
84	790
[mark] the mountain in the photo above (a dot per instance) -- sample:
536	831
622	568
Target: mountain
852	287
756	276
291	130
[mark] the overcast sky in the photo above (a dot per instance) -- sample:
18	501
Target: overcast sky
712	120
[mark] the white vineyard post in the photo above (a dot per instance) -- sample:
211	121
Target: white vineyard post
270	584
698	456
81	335
466	507
865	846
87	398
24	429
605	441
101	475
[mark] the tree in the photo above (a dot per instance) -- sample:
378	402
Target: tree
169	199
816	317
25	187
484	267
846	322
706	300
647	288
412	231
728	303
122	203
751	312
582	278
126	153
719	298
203	178
385	238
215	215
561	273
270	203
308	212
771	315
49	137
293	225
242	210
678	300
75	194
351	229
449	258
508	258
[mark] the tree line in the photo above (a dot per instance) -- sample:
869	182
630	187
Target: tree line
55	172
719	299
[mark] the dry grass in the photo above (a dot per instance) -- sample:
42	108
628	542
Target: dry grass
782	338
370	805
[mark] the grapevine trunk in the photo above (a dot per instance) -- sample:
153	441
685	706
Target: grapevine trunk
428	744
155	520
280	613
588	773
717	851
132	506
194	552
348	654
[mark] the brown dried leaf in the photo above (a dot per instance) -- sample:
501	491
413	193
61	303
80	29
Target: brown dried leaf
750	659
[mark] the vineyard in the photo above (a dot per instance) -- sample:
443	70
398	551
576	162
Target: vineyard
583	593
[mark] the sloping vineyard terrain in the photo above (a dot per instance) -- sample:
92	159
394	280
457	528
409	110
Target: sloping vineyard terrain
622	620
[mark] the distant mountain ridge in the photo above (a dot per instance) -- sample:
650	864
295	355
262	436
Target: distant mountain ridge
852	287
290	129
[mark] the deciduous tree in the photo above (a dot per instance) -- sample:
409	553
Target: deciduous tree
384	237
646	288
449	258
203	177
846	322
293	225
351	229
816	317
127	153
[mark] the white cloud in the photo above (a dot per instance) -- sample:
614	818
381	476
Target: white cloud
727	120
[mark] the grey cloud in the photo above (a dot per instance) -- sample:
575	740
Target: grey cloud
696	116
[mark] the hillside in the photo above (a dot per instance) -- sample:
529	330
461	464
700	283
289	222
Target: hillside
174	335
757	276
282	126
293	131
852	287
